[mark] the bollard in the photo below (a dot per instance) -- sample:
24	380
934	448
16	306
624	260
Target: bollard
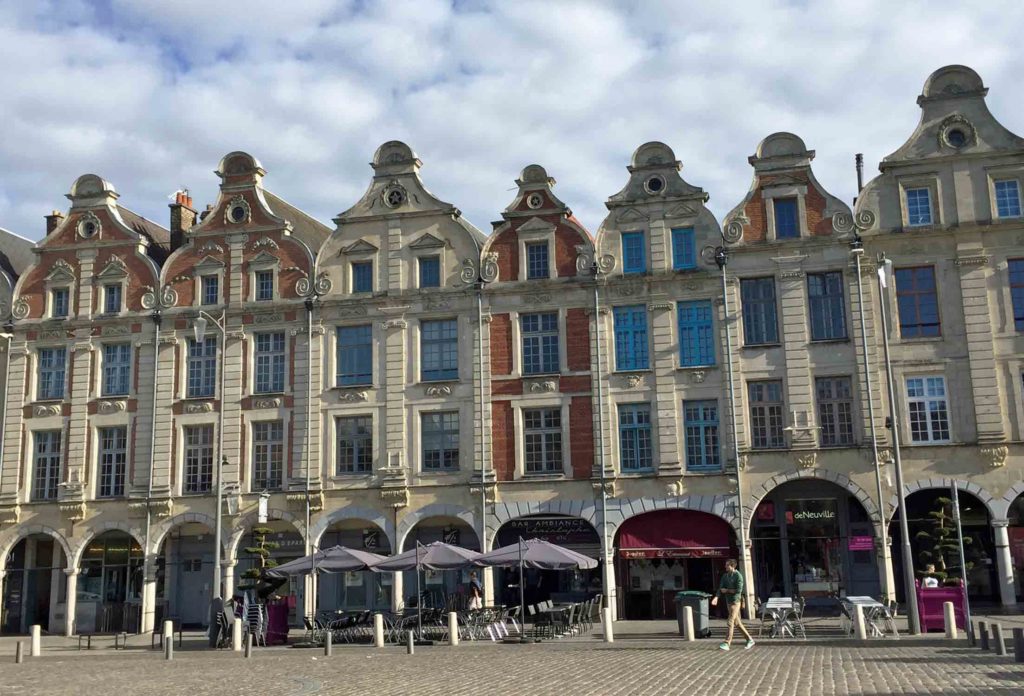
972	635
453	628
688	624
409	643
19	653
248	645
949	614
168	629
236	635
168	647
606	625
328	644
378	630
35	649
860	628
997	636
983	634
1018	644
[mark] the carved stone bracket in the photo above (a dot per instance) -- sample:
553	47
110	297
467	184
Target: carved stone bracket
235	335
439	390
979	260
807	461
266	403
994	455
112	406
546	385
350	397
395	497
389	324
200	407
633	381
74	511
610	488
160	507
297	501
46	411
273	318
10	514
537	298
490	491
675	487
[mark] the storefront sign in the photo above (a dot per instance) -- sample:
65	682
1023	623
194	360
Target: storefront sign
861	543
371	539
673	553
450	535
812	517
556	530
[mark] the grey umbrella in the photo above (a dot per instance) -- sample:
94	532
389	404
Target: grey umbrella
337	559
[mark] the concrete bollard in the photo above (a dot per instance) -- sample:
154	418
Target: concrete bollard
236	635
983	634
688	631
248	645
19	653
949	615
1018	644
972	635
36	649
378	630
168	648
859	625
328	644
169	629
606	625
997	636
410	643
453	628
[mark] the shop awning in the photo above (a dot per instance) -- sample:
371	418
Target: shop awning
674	534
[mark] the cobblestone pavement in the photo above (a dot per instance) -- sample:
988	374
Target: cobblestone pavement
634	665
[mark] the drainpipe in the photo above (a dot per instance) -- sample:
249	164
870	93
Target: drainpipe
148	608
606	556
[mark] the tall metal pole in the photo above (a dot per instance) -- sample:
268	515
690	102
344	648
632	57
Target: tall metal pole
857	251
483	456
963	561
313	584
908	562
218	580
722	260
605	546
147	607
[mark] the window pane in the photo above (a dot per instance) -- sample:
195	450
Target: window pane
917	302
210	290
355	355
198	476
48	457
634	252
700	421
52	364
112	299
264	285
928	408
59	302
684	254
787	223
439	349
537	261
631	338
202	368
919	209
355	445
430	272
113	451
268	455
540	343
117	366
440	438
696	336
835	411
758	299
269	349
827	310
542	440
635	451
766	415
362	276
1008	198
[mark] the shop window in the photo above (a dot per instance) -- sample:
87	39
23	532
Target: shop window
542	428
540	343
919	207
835	410
113	451
51	371
440	435
439	349
355	445
759	320
117	369
700	420
917	302
355	355
430	271
634	252
537	265
1007	198
631	337
202	368
929	409
696	334
267	455
47	457
766	421
787	218
270	362
635	447
825	303
1016	268
198	476
684	251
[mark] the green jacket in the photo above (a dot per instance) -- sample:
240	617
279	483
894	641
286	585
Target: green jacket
731	581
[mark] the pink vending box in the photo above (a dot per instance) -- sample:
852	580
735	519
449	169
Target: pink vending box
930	601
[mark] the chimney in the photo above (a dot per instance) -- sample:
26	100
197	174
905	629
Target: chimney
53	221
183	216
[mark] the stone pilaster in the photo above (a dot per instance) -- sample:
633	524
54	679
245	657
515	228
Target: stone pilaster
988	411
664	355
792	300
13	442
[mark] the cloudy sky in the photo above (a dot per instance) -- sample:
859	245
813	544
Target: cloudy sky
151	93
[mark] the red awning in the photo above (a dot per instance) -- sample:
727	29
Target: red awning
674	534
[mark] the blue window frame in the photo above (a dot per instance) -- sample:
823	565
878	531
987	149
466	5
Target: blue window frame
759	319
787	218
270	361
1017	292
696	334
112	298
439	349
825	303
264	286
430	272
634	252
440	438
917	302
635	453
210	290
1007	198
537	261
355	355
52	366
919	207
202	368
355	445
540	343
362	276
117	369
60	302
684	250
631	338
700	419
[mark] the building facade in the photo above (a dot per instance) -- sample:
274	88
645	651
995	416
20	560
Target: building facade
665	393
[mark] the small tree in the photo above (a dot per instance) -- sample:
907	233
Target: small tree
262	549
940	543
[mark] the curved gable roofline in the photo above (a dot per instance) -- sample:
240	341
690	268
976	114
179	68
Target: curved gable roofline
654	162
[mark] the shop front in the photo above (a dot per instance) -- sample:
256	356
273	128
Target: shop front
559	586
664	552
440	588
357	590
109	595
812	539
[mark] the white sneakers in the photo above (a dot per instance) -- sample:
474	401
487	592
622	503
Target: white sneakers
747	646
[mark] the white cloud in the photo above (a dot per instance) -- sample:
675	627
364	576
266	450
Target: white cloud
151	94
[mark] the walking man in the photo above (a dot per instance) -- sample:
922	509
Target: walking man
731	590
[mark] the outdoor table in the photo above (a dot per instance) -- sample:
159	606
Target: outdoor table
874	613
779	608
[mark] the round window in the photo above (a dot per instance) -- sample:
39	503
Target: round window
655	184
395	197
956	137
535	201
89	229
237	213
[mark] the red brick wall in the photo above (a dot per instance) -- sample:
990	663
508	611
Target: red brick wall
503	440
501	344
577	339
814	204
581	436
506	245
566	241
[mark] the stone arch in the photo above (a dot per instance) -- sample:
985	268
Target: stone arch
992	505
160	531
350	512
841	480
722	506
433	510
19	533
1001	506
245	523
505	512
111	526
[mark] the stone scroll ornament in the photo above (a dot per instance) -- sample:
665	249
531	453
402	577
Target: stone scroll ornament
168	297
844	223
321	286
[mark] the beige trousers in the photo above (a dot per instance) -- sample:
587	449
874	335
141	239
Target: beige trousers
735	621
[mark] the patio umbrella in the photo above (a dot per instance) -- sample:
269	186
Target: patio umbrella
534	553
337	559
433	556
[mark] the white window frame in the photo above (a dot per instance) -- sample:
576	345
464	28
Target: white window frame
284	452
50	304
211	267
908	400
995	178
917	182
251	341
536	231
519	422
106	287
34	391
563	355
264	262
101	376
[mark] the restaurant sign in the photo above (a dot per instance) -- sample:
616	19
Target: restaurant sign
556	530
674	553
861	543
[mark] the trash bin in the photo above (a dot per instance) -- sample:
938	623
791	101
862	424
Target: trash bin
698	602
